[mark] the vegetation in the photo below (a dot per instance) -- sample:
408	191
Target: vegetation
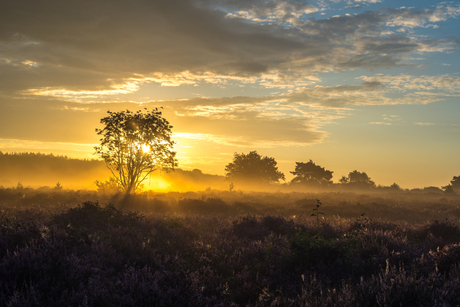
253	167
37	170
310	173
454	185
359	179
133	145
227	249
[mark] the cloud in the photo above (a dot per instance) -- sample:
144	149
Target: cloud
410	18
55	55
380	123
70	95
83	47
403	82
370	1
424	124
268	11
248	128
337	96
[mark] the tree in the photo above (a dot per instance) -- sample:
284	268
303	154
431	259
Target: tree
455	183
343	180
453	186
253	167
311	173
134	144
448	189
58	187
358	178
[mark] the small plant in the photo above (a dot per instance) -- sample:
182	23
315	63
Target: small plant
58	186
231	186
362	221
316	210
20	186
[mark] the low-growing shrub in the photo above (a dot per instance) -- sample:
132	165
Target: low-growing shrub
309	250
206	206
93	255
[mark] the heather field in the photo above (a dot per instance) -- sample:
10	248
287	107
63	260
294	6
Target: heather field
222	248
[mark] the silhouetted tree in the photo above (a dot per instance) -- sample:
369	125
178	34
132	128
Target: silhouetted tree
358	178
253	167
134	144
448	189
343	180
454	184
310	173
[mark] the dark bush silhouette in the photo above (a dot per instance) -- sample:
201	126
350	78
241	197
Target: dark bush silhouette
253	168
358	179
310	173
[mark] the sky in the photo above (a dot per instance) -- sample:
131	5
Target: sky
367	85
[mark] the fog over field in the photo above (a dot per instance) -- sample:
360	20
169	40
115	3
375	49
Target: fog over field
40	170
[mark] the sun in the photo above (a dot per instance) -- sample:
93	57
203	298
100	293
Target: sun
145	148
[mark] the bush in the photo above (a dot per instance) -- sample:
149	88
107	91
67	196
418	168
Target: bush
309	250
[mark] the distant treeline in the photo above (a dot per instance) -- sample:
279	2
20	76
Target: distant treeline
40	170
37	170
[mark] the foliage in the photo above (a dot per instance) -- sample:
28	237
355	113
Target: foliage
253	167
311	173
448	189
35	169
344	180
135	144
310	250
453	186
316	211
455	182
59	187
361	179
93	255
108	186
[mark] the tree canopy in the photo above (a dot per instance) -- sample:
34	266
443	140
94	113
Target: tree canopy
253	167
358	178
311	173
453	186
134	144
455	182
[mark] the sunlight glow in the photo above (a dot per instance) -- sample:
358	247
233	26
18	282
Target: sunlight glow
145	148
159	184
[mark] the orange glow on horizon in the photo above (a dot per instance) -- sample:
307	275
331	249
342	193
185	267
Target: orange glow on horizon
158	184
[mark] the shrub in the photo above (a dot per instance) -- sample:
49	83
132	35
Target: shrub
309	250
